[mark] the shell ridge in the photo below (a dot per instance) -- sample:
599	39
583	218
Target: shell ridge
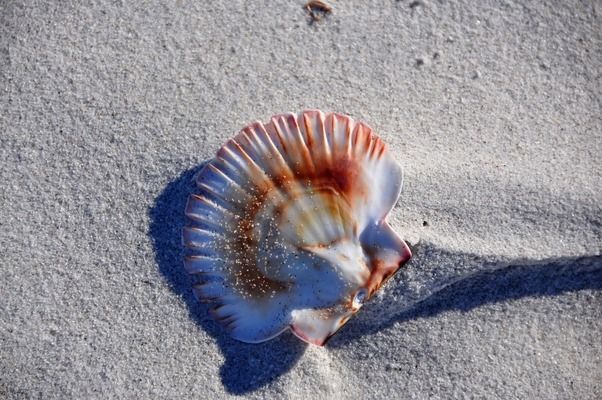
295	148
199	243
335	137
256	173
233	190
210	290
361	139
203	205
219	198
277	160
255	146
327	144
225	160
348	133
210	199
308	131
291	145
200	218
371	144
279	134
219	173
259	178
304	146
314	121
201	264
198	238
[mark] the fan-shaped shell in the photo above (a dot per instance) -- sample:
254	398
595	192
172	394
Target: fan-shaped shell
289	228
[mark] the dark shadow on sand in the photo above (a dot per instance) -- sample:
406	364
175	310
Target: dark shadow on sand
548	278
247	367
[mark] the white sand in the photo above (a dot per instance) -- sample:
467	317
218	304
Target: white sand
106	109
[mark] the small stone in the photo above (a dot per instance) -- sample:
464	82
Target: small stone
393	367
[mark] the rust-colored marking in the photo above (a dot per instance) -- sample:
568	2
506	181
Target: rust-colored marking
246	276
381	271
280	136
345	175
309	133
378	270
382	150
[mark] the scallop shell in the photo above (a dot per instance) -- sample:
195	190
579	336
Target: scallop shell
289	228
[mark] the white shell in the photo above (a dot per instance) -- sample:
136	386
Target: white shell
289	227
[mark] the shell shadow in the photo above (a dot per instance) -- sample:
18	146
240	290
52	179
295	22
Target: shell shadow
495	284
247	367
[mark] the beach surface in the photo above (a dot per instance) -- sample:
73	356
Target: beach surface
493	109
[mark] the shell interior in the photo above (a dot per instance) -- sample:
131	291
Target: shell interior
288	229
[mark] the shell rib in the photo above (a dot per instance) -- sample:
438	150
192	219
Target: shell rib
288	229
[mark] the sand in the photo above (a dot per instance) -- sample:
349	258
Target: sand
492	108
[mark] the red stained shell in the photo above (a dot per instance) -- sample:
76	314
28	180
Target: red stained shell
289	228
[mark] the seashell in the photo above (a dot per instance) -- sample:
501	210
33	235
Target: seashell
289	228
